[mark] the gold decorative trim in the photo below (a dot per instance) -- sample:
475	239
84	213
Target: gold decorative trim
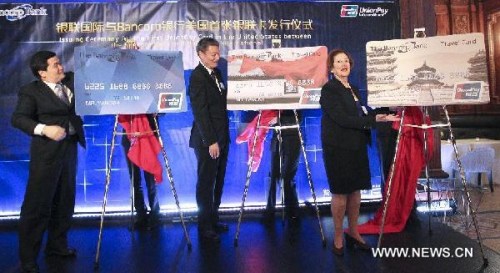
491	21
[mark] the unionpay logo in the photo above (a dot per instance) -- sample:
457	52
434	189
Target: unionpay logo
349	11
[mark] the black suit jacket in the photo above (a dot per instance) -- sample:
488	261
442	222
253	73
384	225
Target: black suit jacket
50	191
39	104
209	106
341	124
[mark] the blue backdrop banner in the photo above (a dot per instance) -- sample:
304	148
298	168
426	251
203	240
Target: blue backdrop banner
174	26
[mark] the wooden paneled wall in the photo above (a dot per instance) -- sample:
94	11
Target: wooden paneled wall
446	17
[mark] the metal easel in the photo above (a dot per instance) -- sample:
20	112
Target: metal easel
108	180
280	162
249	173
420	33
426	127
466	191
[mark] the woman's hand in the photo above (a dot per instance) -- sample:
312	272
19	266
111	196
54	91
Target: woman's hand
385	118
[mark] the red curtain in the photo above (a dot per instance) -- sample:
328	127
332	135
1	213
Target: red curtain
409	164
266	119
144	145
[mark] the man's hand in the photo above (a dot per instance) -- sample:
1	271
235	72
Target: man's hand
54	132
214	151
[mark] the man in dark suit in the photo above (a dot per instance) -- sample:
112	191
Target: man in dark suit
46	111
209	137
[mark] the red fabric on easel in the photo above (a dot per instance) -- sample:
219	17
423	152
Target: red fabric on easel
144	148
407	168
248	133
308	67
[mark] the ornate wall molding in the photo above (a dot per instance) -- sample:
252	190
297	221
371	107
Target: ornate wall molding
461	24
493	25
466	16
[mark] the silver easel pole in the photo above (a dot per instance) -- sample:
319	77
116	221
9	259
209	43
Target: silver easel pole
172	184
425	113
280	175
420	33
309	178
391	176
132	191
247	182
464	184
132	198
105	198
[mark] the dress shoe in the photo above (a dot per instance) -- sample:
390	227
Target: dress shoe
153	222
29	268
294	221
209	236
293	211
351	241
221	227
339	251
267	218
141	223
65	252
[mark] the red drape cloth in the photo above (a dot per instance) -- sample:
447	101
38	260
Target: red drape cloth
407	168
144	147
308	67
248	133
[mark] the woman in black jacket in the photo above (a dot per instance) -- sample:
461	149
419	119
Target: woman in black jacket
345	132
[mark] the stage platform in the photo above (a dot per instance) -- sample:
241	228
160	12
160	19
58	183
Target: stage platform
261	248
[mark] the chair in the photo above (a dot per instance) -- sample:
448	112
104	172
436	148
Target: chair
477	161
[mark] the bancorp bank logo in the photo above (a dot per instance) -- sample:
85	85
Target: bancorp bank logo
357	11
349	11
21	12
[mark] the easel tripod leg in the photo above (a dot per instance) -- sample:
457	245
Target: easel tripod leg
426	159
105	198
309	179
132	193
172	185
247	182
280	175
174	193
466	191
391	176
